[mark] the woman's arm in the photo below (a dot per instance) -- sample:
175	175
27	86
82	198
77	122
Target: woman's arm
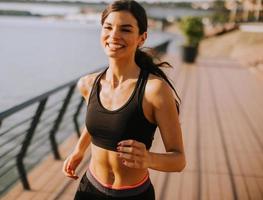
83	143
169	162
84	86
165	116
74	159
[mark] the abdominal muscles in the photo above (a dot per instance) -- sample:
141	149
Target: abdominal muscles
108	169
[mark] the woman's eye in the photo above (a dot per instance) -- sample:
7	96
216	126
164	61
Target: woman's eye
126	30
107	27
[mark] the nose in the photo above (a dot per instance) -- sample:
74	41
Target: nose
115	33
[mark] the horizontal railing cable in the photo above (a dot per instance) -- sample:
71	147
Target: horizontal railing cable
6	169
14	137
15	126
56	103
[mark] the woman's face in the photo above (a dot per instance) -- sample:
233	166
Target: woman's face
120	35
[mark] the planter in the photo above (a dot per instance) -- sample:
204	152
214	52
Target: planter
193	31
189	54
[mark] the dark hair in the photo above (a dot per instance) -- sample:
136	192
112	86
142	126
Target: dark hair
143	59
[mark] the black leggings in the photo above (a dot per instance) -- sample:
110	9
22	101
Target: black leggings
87	190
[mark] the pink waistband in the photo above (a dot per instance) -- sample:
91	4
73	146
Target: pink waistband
121	187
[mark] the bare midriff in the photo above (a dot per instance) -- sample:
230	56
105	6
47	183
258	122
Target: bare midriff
109	170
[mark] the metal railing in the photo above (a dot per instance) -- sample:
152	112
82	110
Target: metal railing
32	124
31	130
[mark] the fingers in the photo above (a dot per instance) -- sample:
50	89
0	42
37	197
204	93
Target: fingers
132	164
71	174
132	146
132	153
75	177
131	160
128	156
133	143
131	150
68	170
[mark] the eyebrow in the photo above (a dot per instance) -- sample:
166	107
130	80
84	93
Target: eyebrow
123	25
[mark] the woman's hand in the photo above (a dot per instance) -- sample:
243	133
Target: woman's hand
133	154
70	165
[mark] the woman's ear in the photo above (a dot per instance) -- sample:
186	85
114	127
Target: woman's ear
143	38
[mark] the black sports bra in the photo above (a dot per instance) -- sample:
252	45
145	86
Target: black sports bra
107	127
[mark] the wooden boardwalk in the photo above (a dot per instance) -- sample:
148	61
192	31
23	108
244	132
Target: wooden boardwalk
222	123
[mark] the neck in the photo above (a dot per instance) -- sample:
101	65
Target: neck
121	70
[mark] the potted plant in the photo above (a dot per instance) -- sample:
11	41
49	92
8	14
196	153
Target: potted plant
193	31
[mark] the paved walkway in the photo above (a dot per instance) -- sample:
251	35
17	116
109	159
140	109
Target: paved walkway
222	123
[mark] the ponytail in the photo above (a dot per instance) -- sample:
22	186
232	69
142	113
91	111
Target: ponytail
145	61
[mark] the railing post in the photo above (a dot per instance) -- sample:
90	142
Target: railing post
26	143
54	129
76	124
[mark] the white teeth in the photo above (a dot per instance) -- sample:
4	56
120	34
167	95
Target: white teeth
115	46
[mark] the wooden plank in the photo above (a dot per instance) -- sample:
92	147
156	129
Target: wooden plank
245	93
70	189
214	188
210	142
254	189
188	115
260	185
26	195
46	178
241	186
225	186
173	187
252	143
251	160
216	158
229	135
13	193
65	196
188	188
42	175
189	179
241	143
157	178
219	184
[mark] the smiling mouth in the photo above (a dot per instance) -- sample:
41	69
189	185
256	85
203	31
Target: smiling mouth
114	47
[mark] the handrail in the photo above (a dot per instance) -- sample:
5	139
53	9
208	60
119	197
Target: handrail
28	135
10	133
36	99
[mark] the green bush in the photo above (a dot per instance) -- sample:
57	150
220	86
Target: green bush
193	30
219	17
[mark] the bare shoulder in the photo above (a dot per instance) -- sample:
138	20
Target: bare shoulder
157	90
85	84
157	85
